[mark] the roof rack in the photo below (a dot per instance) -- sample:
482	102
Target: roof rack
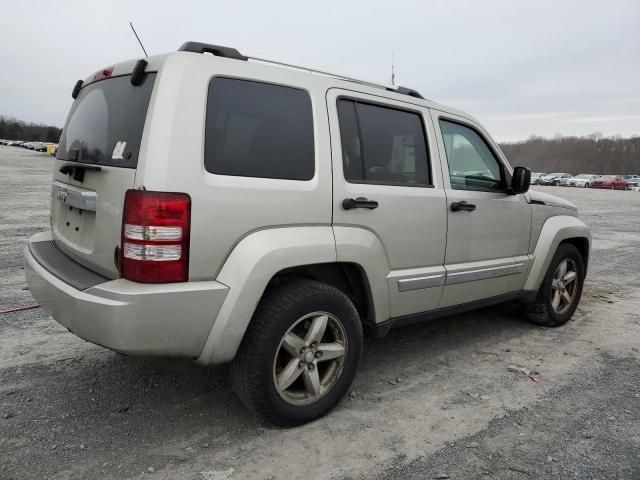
228	52
217	50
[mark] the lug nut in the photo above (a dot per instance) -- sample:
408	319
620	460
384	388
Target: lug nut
318	354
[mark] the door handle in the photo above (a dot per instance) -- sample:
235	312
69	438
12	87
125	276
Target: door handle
360	202
458	206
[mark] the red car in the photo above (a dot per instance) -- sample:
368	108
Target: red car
612	182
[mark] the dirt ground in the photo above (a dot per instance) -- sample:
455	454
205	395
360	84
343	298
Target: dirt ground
436	400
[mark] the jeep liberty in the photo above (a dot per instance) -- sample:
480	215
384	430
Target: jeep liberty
224	208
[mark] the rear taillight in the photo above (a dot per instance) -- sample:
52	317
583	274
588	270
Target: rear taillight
155	236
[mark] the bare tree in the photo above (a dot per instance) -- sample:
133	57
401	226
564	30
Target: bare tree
589	154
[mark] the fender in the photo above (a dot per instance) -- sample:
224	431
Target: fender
261	255
362	247
554	231
247	271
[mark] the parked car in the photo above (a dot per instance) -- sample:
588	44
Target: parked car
636	188
535	177
554	179
632	180
583	180
613	182
264	215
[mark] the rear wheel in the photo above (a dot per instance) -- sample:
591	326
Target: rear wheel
561	289
586	185
300	353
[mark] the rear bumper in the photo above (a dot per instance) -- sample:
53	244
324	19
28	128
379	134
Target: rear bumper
172	319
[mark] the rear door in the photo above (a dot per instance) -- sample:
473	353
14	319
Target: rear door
488	228
384	182
95	165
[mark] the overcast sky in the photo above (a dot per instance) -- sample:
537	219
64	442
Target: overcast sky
521	67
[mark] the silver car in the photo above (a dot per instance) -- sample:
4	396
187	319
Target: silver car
226	209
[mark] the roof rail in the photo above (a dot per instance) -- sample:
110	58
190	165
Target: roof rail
217	50
228	52
406	91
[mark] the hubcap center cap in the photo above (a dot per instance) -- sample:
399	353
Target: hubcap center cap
308	357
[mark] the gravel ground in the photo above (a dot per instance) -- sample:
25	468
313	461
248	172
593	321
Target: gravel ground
435	400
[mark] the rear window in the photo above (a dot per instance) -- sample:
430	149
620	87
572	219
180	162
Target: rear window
106	121
258	129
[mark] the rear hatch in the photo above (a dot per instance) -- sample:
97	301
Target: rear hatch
95	165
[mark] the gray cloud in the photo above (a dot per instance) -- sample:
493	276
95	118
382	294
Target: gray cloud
522	68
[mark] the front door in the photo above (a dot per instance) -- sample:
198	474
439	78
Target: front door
388	195
488	228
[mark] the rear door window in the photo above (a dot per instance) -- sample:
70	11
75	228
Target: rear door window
106	122
382	145
256	129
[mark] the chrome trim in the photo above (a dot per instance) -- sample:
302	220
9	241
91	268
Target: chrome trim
417	283
74	197
484	273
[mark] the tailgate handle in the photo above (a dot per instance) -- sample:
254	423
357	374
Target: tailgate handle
72	197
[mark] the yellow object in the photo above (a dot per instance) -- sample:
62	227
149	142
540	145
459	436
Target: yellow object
51	148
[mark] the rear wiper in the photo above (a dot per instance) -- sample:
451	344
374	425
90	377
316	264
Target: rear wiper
77	170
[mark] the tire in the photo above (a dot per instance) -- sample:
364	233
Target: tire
556	184
542	311
586	185
285	311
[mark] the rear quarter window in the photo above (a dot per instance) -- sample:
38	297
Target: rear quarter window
256	129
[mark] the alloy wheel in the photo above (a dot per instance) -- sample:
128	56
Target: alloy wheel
310	358
564	286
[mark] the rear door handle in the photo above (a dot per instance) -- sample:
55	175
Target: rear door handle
458	206
360	202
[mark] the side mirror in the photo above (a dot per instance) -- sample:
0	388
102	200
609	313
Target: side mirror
520	180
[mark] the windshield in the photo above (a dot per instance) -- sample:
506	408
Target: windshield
106	121
582	175
608	177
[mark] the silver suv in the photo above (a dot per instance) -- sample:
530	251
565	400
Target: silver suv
224	208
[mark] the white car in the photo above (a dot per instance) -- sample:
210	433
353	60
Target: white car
229	209
583	180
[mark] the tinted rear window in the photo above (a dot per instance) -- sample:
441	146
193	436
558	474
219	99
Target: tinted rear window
259	130
382	145
106	121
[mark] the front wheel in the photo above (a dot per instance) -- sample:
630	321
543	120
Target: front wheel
586	185
300	353
561	289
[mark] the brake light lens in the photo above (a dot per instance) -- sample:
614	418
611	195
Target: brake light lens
155	236
102	74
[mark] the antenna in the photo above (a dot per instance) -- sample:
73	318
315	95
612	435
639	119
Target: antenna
393	73
138	38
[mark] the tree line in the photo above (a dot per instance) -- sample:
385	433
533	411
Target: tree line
589	154
13	129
